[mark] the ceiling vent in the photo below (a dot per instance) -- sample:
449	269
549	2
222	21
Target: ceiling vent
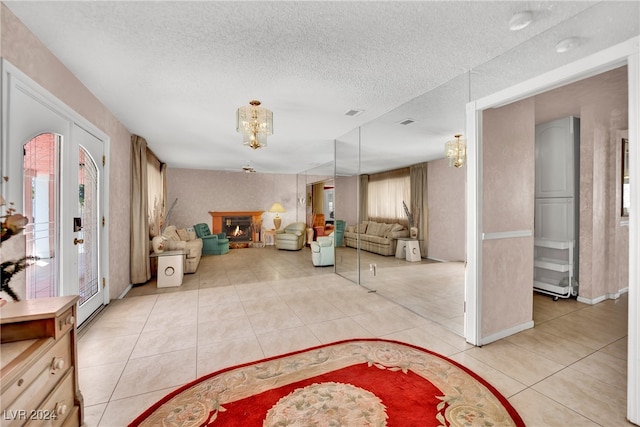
406	122
353	113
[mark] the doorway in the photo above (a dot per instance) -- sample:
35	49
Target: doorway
478	286
55	164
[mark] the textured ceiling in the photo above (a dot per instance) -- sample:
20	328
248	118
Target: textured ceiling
175	72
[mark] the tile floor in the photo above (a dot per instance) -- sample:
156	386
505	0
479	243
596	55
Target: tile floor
570	370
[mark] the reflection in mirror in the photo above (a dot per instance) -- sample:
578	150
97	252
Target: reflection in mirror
383	191
315	188
347	164
415	133
626	189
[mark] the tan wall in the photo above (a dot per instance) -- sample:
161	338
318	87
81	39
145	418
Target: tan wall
20	47
507	205
201	191
446	199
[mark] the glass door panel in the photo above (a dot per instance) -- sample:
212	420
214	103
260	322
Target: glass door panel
41	187
88	227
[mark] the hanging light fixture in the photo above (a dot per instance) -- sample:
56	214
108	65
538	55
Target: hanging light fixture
456	151
255	123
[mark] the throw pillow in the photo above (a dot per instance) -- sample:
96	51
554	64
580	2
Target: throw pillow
183	233
362	228
372	228
171	234
384	230
396	227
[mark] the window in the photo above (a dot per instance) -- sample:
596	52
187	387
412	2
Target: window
385	194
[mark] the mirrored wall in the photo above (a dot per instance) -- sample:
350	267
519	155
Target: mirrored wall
415	133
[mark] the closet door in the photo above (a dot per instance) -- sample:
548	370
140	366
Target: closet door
554	219
555	158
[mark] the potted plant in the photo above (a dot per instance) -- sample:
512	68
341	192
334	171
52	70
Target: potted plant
12	225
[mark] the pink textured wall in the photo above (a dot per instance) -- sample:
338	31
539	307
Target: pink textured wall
20	47
201	191
508	180
446	214
346	195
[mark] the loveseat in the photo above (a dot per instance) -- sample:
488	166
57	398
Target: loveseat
181	239
375	237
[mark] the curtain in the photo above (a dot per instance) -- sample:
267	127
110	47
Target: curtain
318	198
418	205
140	268
156	196
364	199
386	193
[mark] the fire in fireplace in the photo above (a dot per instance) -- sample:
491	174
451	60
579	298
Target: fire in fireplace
238	228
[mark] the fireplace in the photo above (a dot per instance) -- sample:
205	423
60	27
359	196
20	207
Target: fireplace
238	228
250	234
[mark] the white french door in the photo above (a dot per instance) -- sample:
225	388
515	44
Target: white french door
83	211
55	170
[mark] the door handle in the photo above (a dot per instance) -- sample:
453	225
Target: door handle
77	241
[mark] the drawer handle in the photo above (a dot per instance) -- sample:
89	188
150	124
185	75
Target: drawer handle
58	363
70	320
60	409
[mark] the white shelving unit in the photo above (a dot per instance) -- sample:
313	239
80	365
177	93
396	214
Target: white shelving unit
553	268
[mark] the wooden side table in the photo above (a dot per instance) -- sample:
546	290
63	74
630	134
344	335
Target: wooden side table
170	268
269	237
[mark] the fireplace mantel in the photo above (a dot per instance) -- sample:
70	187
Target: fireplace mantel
216	219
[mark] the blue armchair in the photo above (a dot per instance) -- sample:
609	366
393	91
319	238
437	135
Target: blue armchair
339	231
212	244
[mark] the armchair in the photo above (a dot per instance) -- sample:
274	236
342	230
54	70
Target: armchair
292	237
212	244
322	251
318	224
339	232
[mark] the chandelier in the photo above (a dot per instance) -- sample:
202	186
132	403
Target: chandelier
456	151
255	123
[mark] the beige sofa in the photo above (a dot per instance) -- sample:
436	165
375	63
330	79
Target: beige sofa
375	237
181	239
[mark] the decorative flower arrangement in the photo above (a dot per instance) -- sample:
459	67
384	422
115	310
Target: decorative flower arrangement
12	224
408	213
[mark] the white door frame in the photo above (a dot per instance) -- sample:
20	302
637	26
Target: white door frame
11	159
626	53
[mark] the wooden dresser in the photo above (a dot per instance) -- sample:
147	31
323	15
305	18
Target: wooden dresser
39	376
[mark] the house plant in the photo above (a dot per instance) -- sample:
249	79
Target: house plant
12	225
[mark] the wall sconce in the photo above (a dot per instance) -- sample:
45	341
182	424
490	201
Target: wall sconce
456	151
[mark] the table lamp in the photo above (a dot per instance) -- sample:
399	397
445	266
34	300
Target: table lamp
277	208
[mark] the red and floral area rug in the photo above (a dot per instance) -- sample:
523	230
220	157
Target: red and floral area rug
368	382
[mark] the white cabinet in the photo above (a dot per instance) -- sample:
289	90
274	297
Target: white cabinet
553	268
556	155
556	214
554	218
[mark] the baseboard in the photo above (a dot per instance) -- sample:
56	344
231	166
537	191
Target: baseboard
125	292
507	332
437	259
593	301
